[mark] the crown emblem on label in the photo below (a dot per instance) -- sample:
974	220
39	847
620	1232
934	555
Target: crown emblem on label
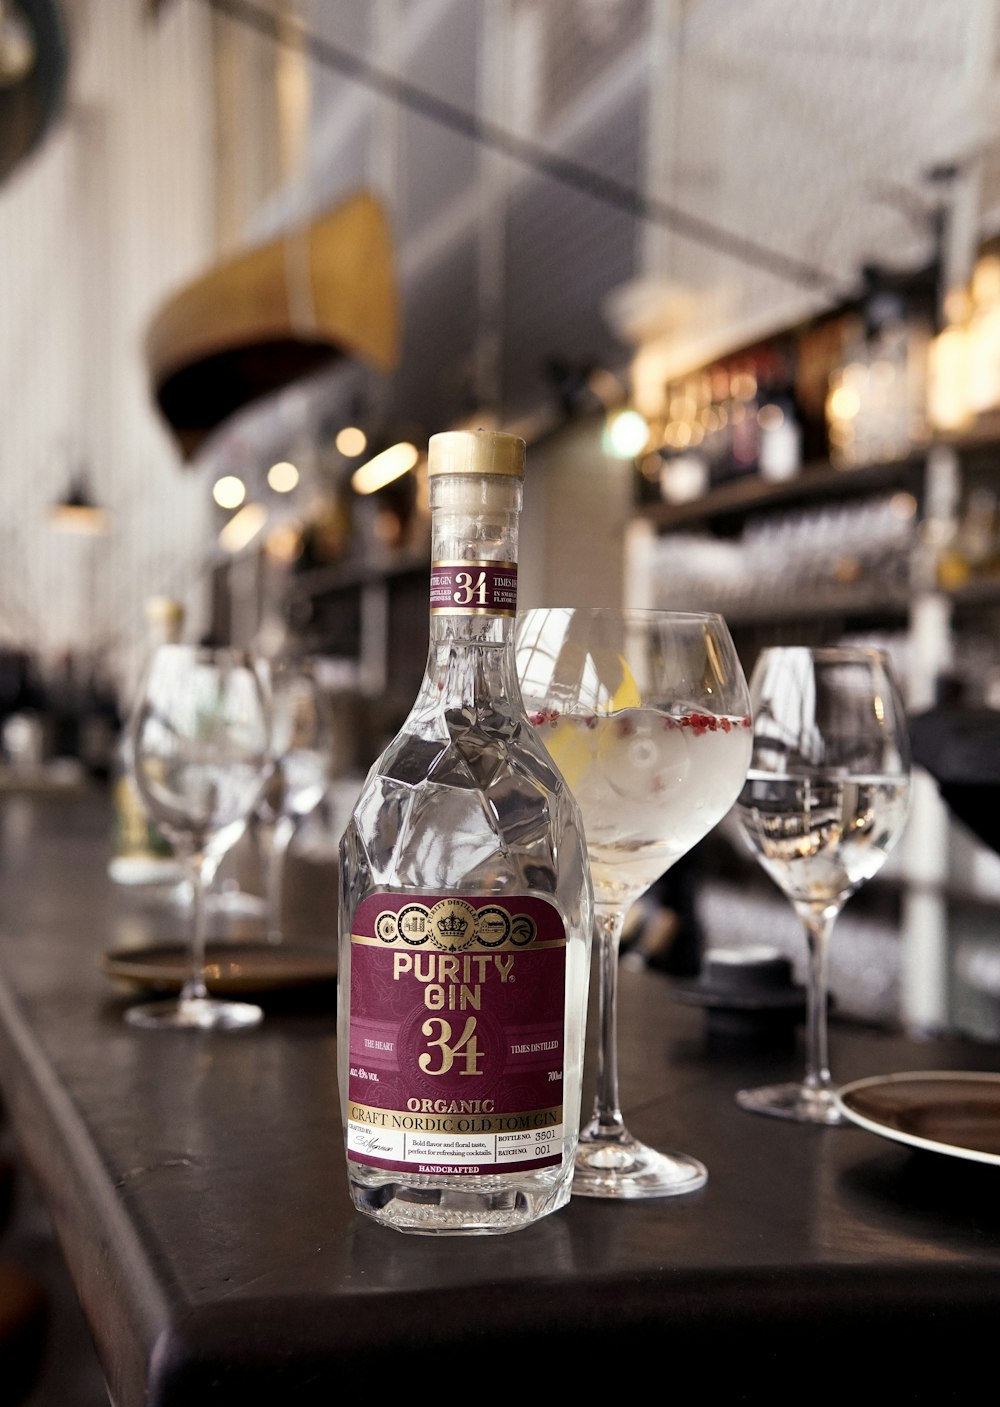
452	925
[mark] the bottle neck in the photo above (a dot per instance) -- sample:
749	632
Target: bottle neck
474	524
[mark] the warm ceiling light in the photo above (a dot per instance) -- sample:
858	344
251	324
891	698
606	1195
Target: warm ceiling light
351	441
626	434
283	477
284	544
844	403
229	491
391	464
243	528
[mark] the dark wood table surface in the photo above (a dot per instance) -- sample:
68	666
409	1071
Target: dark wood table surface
197	1186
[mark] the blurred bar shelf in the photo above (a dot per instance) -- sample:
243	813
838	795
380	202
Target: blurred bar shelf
739	497
852	605
846	604
821	480
375	567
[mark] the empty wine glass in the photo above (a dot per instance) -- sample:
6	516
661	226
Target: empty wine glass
302	750
646	715
825	800
200	750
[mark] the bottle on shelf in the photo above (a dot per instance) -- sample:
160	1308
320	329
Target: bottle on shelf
99	726
81	720
141	855
718	424
779	451
972	552
466	906
742	409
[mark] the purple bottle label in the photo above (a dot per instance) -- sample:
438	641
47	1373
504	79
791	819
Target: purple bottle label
457	1029
470	588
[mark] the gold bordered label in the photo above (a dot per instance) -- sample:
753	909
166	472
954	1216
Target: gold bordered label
457	1032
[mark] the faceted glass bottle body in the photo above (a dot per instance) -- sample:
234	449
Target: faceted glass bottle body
464	820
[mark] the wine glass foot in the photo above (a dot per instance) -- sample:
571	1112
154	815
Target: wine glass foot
196	1014
621	1168
799	1102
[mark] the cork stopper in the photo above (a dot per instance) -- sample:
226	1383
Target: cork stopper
476	452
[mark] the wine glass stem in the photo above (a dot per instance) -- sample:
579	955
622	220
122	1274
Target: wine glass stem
818	924
200	870
277	838
606	1120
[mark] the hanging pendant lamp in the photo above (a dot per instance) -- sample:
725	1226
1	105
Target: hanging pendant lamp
34	70
268	317
76	511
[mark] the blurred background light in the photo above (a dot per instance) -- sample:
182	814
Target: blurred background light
626	434
351	441
243	528
283	476
391	464
229	491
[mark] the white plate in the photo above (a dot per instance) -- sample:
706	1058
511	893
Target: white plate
945	1111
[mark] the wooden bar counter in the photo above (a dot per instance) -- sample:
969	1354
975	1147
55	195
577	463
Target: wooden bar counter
197	1187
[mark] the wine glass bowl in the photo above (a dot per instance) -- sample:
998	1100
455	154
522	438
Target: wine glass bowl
824	803
302	753
646	715
200	754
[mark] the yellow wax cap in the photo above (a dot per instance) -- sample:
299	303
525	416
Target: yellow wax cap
475	452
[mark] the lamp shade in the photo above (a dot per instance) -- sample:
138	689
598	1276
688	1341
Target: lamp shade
34	69
267	317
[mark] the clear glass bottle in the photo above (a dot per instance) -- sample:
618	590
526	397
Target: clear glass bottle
466	906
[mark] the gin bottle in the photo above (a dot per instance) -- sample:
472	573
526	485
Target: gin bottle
465	916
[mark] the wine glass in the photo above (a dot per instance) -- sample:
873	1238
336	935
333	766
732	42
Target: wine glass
646	715
200	749
302	750
825	800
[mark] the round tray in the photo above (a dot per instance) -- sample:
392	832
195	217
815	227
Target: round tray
231	968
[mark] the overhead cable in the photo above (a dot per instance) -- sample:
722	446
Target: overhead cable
534	155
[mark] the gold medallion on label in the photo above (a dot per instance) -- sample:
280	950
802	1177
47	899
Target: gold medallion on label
385	926
492	926
452	925
413	923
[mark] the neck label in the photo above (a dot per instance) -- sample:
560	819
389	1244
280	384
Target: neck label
471	588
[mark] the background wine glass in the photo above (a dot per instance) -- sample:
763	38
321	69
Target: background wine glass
824	802
646	715
302	751
200	750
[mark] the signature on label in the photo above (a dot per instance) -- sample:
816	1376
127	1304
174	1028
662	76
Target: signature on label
367	1141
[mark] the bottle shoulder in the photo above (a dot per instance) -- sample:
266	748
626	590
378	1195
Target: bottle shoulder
455	807
488	750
